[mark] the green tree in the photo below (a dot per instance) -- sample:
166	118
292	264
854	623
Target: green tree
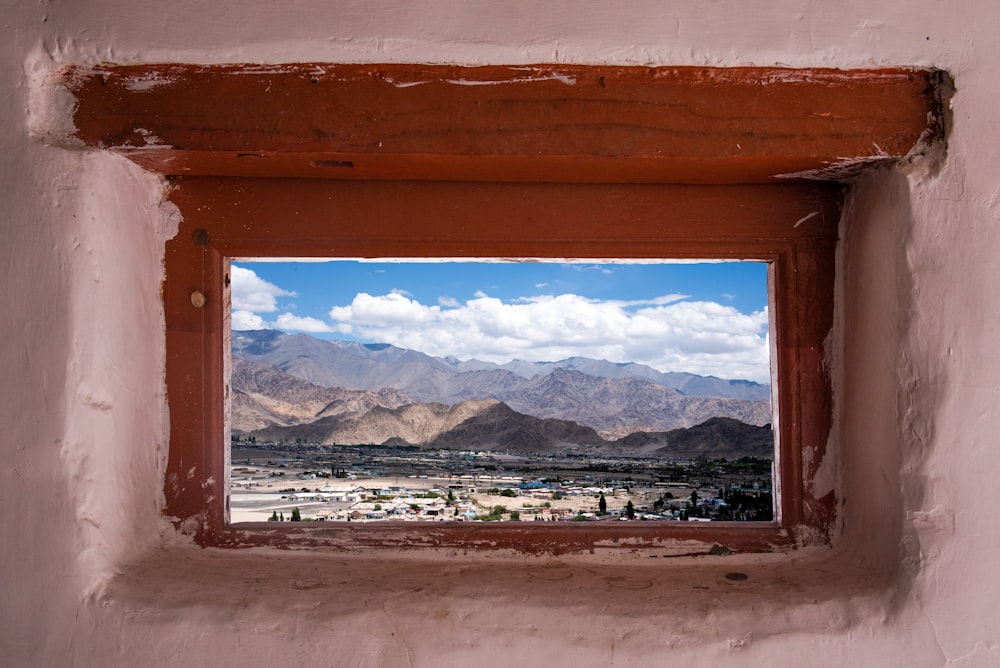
602	505
630	510
281	517
515	516
296	516
273	517
495	515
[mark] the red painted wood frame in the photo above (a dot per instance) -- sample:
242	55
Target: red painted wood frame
228	217
579	162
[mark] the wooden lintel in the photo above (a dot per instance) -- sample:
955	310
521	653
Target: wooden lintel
554	123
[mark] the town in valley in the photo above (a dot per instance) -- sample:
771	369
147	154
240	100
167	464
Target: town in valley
371	483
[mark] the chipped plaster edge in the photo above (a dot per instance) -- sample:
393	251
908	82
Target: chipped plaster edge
51	105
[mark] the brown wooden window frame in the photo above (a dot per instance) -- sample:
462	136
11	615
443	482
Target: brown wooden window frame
540	162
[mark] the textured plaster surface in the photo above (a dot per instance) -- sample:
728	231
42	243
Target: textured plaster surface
90	576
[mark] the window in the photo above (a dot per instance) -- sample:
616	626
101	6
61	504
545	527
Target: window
506	220
431	387
543	162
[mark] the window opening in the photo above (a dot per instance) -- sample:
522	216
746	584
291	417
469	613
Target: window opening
549	160
496	390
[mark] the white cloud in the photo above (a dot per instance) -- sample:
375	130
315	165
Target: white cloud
252	293
244	320
448	301
287	321
666	332
655	301
604	269
388	310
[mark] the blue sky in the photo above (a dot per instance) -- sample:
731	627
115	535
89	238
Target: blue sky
706	318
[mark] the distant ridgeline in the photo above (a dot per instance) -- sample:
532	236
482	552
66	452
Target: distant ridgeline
288	387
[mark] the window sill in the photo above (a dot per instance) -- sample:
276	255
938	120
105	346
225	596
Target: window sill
693	602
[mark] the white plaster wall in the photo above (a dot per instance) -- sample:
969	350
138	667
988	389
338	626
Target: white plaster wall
83	413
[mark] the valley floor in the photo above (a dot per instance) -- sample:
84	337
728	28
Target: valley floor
378	483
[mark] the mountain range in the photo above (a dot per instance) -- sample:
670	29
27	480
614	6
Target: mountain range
377	365
273	406
613	399
281	388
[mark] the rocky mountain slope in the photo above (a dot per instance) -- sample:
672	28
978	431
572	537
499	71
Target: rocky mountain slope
414	424
263	395
494	426
712	439
470	425
498	427
616	407
686	383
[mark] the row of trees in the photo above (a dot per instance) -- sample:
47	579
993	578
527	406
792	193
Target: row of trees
280	517
602	507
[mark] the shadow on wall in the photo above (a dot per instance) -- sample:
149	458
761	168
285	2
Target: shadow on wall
887	394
